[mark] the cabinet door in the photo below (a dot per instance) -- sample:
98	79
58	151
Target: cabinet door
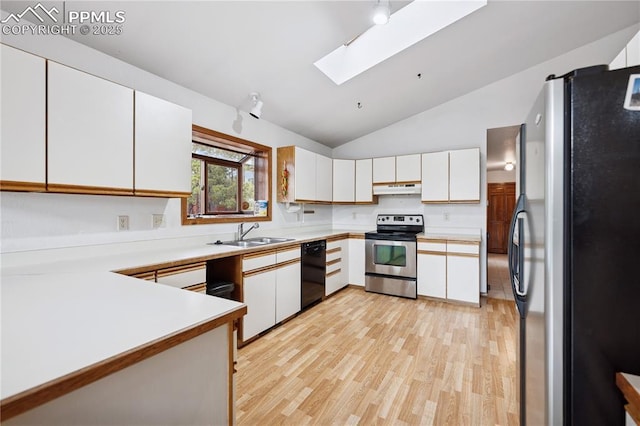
432	275
22	140
287	291
324	178
384	170
356	261
364	181
90	132
344	185
260	297
435	177
305	175
408	168
463	272
464	175
162	147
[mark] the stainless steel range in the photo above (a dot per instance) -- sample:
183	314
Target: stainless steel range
391	255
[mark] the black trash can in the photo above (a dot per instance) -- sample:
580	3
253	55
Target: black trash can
221	289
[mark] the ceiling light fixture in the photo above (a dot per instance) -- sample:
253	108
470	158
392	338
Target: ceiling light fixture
256	105
381	12
509	166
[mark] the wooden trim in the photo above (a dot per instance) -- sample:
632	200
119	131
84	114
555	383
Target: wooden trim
631	395
336	238
81	189
450	253
160	194
334	261
148	276
266	252
356	236
259	271
435	201
11	185
383	183
407	182
337	271
165	272
333	250
436	253
29	399
429	240
464	201
288	247
196	287
464	242
287	263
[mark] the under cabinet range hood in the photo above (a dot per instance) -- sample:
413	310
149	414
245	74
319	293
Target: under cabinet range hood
397	188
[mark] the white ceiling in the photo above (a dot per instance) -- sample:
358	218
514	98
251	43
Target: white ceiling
227	49
501	146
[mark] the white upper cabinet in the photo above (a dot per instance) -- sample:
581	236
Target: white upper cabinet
90	133
364	181
22	140
464	175
162	147
435	177
408	168
344	181
451	176
384	170
305	174
324	178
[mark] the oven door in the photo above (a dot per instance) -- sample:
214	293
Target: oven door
394	258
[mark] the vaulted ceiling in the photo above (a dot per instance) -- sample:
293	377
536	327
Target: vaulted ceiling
227	49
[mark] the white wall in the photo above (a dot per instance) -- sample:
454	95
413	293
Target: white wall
500	176
34	220
463	123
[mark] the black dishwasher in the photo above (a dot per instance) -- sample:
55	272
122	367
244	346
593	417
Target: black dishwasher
314	266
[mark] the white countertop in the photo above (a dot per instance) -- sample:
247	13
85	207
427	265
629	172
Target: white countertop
61	317
56	324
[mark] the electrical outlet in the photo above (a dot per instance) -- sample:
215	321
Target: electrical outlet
123	223
157	221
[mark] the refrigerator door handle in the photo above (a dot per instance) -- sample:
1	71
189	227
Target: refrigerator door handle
515	254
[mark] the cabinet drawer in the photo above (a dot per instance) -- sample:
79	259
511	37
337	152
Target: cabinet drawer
284	256
334	244
252	262
334	254
453	248
433	247
333	266
176	278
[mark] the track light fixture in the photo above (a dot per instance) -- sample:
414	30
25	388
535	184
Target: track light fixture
256	105
381	12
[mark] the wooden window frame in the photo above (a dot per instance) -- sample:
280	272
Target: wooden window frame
223	141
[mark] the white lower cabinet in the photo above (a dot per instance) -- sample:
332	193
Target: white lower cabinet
449	270
271	289
432	269
463	273
287	291
356	261
260	297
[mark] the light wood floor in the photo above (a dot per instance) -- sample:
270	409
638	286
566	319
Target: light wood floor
364	358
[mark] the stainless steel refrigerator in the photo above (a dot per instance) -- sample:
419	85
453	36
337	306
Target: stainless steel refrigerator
574	252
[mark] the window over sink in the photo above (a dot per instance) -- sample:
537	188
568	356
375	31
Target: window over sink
230	179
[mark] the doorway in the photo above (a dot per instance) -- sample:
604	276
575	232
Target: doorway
501	198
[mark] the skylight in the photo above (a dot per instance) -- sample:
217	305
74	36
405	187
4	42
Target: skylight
414	22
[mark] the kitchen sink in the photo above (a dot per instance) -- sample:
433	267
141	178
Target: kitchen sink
269	240
253	242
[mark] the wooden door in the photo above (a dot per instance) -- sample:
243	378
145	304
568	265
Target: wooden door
501	202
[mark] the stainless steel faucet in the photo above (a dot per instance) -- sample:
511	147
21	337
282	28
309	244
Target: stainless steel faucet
242	232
